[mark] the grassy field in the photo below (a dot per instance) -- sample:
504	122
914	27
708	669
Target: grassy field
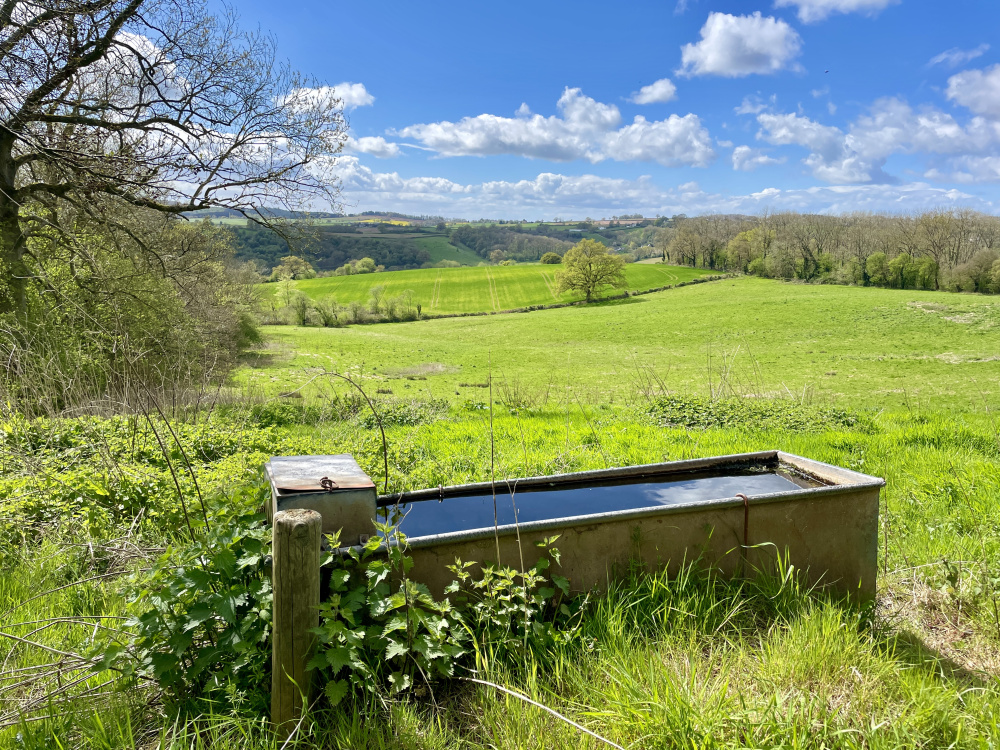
875	348
481	289
441	249
688	662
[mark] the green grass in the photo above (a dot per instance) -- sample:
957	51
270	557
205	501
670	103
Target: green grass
661	662
440	249
480	289
877	348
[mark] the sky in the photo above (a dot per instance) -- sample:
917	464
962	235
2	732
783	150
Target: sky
539	110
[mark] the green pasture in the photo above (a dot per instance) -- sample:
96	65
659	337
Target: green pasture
658	662
480	289
441	249
876	348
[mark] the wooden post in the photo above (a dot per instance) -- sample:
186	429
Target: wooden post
295	576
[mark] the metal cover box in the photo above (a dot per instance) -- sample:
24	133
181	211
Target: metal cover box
334	486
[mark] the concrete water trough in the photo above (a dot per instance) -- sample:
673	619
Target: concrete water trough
734	513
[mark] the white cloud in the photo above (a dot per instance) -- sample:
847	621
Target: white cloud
816	10
585	129
354	95
968	169
564	138
890	127
548	194
832	158
350	95
752	105
659	91
673	142
955	56
377	146
978	90
746	159
736	46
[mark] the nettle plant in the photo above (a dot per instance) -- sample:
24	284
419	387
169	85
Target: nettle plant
203	632
380	629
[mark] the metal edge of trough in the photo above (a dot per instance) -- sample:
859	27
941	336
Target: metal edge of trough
849	481
735	460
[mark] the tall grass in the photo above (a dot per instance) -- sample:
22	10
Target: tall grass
661	661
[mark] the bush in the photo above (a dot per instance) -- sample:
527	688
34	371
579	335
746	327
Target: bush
758	414
204	633
551	258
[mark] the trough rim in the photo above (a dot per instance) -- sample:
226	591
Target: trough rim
849	481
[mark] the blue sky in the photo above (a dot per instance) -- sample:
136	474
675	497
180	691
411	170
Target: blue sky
543	109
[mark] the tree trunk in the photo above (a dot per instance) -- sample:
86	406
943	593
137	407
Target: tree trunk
12	244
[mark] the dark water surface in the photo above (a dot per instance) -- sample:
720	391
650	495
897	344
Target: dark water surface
464	513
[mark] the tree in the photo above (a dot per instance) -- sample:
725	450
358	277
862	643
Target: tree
588	267
292	267
552	258
145	104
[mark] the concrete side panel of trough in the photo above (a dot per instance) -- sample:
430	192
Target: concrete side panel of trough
832	540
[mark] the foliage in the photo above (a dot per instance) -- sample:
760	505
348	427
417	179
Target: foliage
75	81
203	626
588	267
510	612
751	413
551	258
124	321
942	249
510	241
292	267
379	629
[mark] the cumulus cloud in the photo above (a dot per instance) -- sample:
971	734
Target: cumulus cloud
557	138
832	158
354	95
673	142
736	46
350	95
548	194
584	129
978	90
891	126
662	90
377	146
746	159
810	11
955	56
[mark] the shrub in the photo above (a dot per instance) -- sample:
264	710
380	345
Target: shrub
551	258
763	414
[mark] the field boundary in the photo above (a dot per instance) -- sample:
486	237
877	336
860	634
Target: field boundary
555	306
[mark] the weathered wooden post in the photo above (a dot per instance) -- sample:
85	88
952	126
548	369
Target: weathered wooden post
295	576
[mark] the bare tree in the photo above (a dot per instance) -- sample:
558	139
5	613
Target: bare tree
154	104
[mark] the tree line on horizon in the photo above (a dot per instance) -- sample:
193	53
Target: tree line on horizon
949	250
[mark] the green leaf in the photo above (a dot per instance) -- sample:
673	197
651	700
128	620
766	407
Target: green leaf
395	648
336	691
197	615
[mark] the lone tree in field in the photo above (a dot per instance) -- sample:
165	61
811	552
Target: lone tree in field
588	267
109	107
